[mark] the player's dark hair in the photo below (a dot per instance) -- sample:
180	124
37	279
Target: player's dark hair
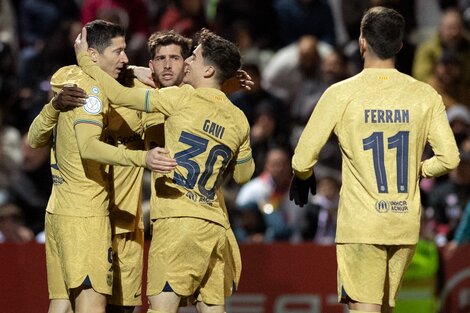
383	28
166	38
100	33
219	52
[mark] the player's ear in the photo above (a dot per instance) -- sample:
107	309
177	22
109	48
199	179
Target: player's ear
362	45
93	54
401	46
209	71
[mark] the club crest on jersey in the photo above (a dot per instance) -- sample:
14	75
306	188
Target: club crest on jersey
95	90
93	105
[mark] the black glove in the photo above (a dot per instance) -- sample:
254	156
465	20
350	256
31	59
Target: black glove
299	189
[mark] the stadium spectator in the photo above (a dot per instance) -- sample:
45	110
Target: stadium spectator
12	224
447	79
298	18
269	191
294	76
132	15
8	25
185	17
266	115
448	201
257	18
451	36
326	202
462	231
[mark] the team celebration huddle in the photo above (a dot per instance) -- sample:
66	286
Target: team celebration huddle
109	121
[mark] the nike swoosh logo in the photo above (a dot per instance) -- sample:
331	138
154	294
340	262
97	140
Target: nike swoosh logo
136	295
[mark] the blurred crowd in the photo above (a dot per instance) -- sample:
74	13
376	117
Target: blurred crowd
293	50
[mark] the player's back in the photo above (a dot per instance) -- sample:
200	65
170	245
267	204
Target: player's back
80	186
385	122
205	133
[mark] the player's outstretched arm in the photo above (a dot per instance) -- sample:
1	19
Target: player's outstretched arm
92	148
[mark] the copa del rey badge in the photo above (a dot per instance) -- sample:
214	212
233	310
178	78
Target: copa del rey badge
93	105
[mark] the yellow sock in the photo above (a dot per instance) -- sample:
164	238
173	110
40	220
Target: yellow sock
357	311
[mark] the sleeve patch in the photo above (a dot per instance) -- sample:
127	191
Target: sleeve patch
95	90
93	105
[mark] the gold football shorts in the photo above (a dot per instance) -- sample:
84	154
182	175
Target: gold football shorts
188	255
371	273
128	255
78	249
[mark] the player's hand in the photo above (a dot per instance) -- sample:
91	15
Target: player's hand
69	97
144	75
158	160
81	44
240	81
299	189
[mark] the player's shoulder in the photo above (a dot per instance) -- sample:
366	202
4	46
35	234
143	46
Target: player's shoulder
73	74
65	73
419	86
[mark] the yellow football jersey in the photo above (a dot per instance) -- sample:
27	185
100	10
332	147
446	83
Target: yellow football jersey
206	134
80	187
383	120
81	180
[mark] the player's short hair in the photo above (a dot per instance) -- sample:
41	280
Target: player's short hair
100	33
383	28
166	38
219	52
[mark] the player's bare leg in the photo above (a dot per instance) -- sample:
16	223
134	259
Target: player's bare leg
164	302
60	306
357	307
87	300
204	308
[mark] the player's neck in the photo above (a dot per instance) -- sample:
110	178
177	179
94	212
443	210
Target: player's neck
208	83
379	63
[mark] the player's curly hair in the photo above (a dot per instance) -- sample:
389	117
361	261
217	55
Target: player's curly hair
383	28
100	33
219	52
165	38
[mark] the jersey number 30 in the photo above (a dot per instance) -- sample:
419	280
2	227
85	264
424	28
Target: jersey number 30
198	145
375	142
